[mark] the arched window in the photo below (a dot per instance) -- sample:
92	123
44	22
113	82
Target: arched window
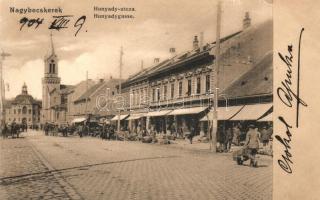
53	68
24	110
50	68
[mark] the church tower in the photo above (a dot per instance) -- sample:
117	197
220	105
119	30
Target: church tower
50	84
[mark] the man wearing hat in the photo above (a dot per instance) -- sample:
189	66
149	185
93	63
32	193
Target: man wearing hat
264	136
252	142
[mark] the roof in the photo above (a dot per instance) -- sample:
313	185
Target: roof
88	93
257	81
65	89
240	51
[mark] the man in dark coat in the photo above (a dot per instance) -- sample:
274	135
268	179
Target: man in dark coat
228	139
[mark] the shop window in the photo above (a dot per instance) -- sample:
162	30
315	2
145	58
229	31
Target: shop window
198	85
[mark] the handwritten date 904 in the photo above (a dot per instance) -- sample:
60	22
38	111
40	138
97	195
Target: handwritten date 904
59	22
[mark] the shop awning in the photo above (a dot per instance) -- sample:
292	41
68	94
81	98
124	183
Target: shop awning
115	118
267	118
224	113
158	113
78	120
252	112
135	116
187	111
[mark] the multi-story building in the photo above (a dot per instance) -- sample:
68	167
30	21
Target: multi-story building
179	91
23	109
97	101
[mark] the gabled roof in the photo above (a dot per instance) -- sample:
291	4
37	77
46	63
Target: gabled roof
90	91
257	81
66	89
239	52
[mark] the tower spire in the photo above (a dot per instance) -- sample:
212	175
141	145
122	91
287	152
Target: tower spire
52	47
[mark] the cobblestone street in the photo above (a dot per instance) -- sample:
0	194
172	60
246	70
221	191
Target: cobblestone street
47	167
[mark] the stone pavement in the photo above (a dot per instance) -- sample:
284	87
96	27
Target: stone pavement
48	167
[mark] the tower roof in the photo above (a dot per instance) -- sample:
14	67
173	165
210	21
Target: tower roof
52	51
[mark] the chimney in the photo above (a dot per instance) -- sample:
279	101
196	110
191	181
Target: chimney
246	21
201	40
156	60
172	51
195	42
101	80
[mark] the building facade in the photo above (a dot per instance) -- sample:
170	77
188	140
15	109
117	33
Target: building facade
23	109
176	94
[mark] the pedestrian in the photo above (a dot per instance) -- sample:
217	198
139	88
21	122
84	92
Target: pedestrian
46	128
270	131
228	139
80	130
252	143
236	135
192	133
264	136
220	138
4	131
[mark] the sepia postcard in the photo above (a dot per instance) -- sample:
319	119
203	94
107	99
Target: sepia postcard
209	99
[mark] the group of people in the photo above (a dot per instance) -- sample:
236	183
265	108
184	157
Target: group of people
13	129
237	134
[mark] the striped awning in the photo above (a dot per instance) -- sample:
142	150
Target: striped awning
188	111
158	113
115	118
252	112
267	118
78	120
224	113
135	116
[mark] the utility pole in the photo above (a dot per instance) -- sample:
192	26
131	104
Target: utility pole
2	89
87	87
215	75
120	76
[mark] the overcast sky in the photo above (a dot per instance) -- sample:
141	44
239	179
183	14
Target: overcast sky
157	26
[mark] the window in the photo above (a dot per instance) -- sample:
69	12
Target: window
53	68
14	111
207	83
172	90
189	87
165	92
198	85
153	95
180	88
29	111
24	110
19	111
158	94
29	119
